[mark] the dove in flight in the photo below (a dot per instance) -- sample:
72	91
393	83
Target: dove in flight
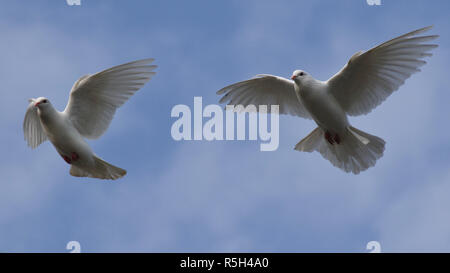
92	103
361	85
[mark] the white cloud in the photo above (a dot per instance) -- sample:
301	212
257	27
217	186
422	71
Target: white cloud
417	220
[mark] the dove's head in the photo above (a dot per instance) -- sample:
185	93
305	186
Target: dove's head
300	77
41	103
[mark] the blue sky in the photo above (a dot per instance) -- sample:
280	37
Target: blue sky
220	196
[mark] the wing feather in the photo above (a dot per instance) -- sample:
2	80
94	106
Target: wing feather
32	128
265	90
94	98
370	77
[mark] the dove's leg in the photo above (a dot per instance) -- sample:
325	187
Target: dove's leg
328	137
337	139
75	156
67	159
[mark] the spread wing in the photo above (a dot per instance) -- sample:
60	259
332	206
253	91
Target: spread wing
370	77
95	98
265	90
32	128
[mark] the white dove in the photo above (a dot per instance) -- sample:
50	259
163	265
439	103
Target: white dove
92	103
361	85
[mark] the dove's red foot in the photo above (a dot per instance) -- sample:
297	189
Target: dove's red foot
75	156
329	138
337	139
332	140
67	159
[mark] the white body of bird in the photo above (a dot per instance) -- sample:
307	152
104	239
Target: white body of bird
62	134
361	85
321	105
91	107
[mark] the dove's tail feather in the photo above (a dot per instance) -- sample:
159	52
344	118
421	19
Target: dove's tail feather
78	172
356	152
101	169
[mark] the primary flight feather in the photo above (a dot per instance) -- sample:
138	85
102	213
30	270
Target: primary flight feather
361	85
92	103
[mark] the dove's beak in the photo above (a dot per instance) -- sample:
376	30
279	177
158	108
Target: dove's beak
292	77
36	104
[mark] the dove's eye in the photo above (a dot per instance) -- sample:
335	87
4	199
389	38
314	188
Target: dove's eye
302	73
44	101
